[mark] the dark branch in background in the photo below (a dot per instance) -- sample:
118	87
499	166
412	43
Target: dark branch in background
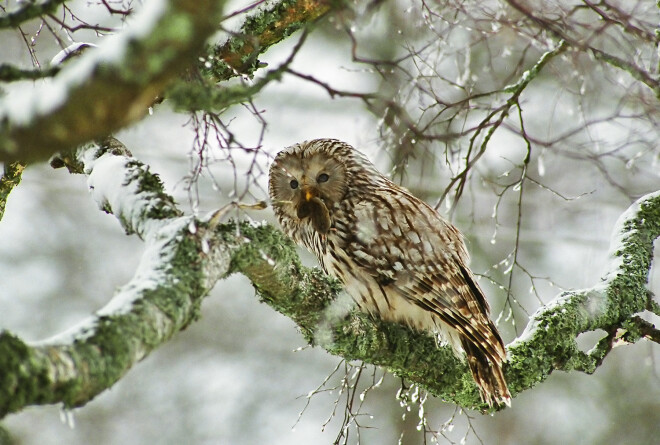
185	257
424	119
10	73
619	18
492	122
62	24
559	32
478	142
115	11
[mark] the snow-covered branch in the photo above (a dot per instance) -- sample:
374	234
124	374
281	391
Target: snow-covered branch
26	11
110	86
114	85
549	341
162	298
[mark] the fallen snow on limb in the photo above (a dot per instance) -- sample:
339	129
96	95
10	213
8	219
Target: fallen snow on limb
163	297
629	221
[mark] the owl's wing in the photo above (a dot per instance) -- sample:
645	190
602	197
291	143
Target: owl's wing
412	251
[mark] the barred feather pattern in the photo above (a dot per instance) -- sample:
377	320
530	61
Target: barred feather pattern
396	256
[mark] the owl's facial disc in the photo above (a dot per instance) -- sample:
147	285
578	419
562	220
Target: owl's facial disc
308	187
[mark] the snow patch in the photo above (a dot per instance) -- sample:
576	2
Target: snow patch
112	183
151	271
535	323
78	332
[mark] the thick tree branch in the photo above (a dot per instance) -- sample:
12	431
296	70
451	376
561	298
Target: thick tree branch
101	92
184	258
194	96
549	341
547	344
162	298
108	87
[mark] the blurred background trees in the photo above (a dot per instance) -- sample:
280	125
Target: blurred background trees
532	125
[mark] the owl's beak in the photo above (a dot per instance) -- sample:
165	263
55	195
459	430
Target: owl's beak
307	193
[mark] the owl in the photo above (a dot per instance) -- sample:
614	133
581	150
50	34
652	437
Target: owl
395	255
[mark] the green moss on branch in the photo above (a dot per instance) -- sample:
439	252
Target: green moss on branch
305	295
11	177
258	33
548	344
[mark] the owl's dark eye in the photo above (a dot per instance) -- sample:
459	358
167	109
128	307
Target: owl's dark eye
293	184
323	177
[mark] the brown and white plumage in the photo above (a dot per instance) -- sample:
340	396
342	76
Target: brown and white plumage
396	256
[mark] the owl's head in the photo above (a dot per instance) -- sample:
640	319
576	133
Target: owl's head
308	179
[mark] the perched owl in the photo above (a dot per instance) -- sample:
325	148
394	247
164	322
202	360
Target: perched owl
396	256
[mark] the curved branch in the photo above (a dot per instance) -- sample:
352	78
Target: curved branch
239	56
102	93
110	86
163	297
184	258
548	342
205	96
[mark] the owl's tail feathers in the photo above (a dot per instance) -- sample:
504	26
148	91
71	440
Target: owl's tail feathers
487	372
